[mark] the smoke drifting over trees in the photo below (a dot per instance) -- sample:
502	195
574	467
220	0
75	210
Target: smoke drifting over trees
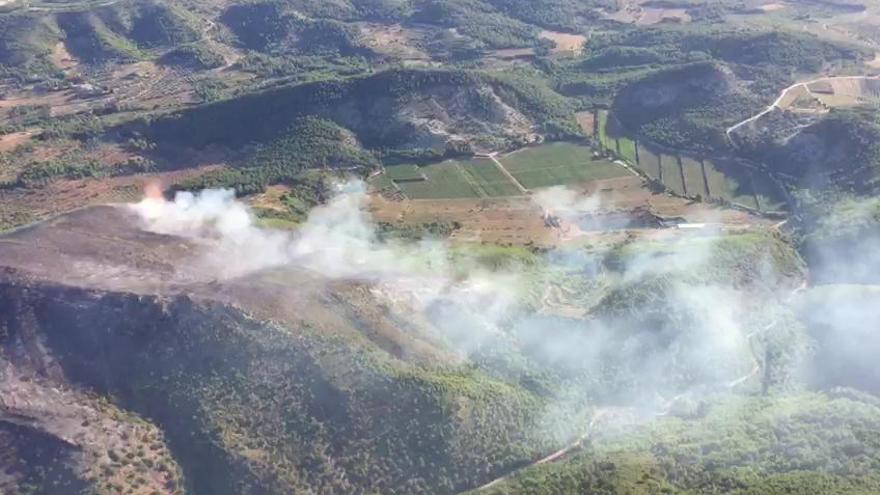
691	315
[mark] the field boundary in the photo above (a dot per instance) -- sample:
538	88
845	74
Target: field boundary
507	173
748	165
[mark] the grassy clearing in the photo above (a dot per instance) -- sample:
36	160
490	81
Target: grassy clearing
558	164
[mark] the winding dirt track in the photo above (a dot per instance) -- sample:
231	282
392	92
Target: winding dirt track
599	415
787	90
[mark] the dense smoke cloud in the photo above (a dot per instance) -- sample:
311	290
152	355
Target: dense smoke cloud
337	240
841	311
684	336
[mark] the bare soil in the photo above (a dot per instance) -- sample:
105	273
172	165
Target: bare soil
520	221
587	122
9	142
772	7
565	42
394	40
62	58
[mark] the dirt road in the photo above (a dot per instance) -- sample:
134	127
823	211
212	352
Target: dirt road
600	415
784	94
503	170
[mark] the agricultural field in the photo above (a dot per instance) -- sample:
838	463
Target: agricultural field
450	179
558	164
691	176
614	140
722	179
541	166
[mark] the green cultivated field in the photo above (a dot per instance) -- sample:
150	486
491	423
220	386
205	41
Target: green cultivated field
489	178
541	166
627	149
693	176
404	172
603	130
727	180
558	164
733	187
452	179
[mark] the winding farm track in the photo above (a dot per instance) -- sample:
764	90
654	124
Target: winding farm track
789	89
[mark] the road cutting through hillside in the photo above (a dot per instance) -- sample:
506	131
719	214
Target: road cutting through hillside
575	446
787	90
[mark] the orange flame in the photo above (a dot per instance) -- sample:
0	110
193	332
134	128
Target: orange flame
153	190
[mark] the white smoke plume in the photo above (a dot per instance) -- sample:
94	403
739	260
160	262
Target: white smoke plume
566	203
481	310
337	240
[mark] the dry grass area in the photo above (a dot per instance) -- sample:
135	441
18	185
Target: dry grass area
793	96
9	142
270	199
587	122
846	92
565	42
394	41
18	206
513	220
653	15
62	58
519	220
134	86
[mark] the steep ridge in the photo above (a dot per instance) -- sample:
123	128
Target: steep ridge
281	382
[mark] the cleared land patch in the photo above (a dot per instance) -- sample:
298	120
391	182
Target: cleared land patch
394	40
559	164
846	92
519	221
587	121
9	142
565	42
